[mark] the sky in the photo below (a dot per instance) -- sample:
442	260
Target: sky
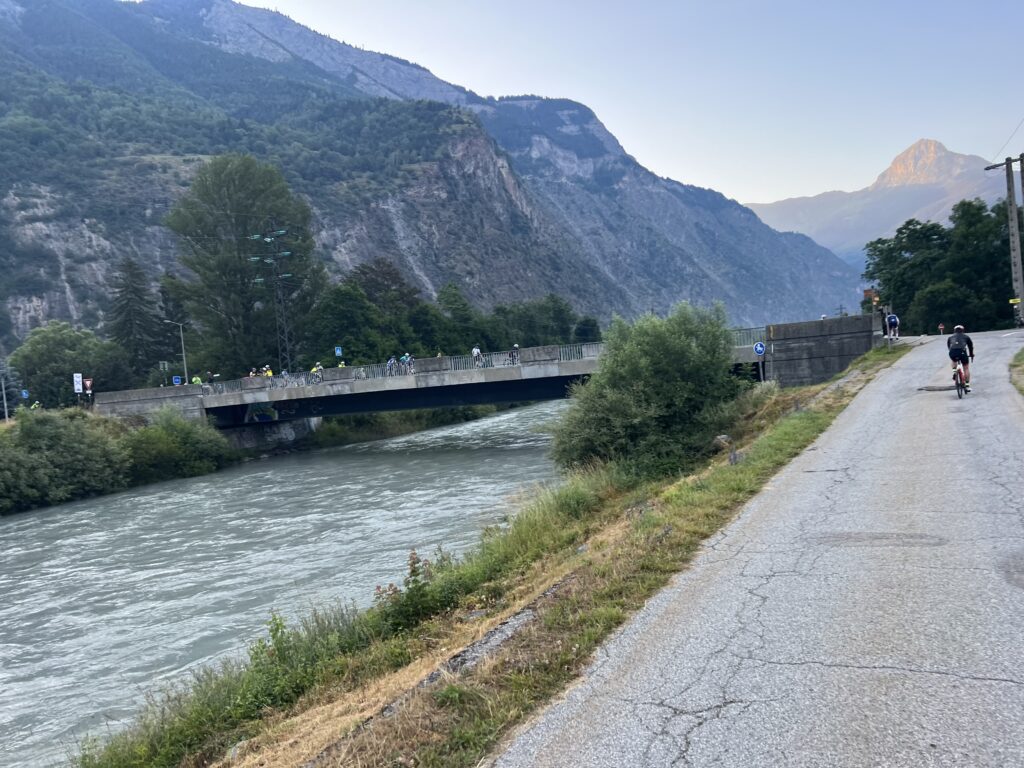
758	99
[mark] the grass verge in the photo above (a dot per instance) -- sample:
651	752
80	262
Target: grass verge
1017	371
611	541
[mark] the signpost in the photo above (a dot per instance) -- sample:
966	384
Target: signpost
77	379
338	351
759	349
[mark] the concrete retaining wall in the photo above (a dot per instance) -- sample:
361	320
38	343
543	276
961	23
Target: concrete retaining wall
815	351
144	402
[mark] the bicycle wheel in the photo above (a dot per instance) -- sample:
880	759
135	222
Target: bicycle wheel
958	379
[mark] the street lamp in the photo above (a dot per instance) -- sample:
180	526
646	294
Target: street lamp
181	332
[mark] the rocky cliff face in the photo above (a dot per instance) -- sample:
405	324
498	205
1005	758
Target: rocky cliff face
659	240
923	182
536	197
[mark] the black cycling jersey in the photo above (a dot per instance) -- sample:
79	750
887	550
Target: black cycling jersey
960	340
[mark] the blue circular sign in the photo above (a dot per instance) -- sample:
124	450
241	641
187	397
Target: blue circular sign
759	348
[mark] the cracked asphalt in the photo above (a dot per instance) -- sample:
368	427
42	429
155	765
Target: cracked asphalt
865	609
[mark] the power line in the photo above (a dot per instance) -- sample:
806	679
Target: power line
999	151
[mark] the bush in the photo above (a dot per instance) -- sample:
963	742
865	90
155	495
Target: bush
61	456
49	457
173	446
661	393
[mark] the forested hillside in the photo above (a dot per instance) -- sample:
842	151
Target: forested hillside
109	108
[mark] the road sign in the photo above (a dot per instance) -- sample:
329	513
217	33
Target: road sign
338	351
24	394
77	379
1015	301
163	365
88	385
176	380
759	348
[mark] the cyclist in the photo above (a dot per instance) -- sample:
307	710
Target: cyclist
893	322
960	348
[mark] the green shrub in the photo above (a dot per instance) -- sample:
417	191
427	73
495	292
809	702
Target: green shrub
173	446
71	455
661	393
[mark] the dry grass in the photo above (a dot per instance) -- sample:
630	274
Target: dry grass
608	549
1017	371
648	535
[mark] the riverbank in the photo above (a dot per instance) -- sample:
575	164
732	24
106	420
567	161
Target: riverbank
607	542
51	457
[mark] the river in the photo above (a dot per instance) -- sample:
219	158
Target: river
102	600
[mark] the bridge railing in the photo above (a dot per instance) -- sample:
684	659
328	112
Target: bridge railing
580	351
742	337
747	337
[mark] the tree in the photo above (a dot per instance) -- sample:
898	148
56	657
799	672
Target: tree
10	382
134	320
345	317
659	396
249	249
53	353
957	274
586	331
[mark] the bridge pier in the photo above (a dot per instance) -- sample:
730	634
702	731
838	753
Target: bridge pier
265	436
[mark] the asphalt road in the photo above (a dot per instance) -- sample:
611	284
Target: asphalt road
866	609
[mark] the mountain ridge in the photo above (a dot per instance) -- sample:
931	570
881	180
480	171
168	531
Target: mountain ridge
922	182
543	198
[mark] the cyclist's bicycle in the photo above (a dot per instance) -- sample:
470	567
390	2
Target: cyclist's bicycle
958	379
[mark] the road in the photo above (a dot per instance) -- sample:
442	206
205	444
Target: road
865	609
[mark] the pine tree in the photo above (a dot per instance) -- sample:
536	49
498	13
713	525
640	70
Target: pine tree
247	245
134	321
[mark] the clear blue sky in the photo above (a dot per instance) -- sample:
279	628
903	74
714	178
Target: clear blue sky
759	99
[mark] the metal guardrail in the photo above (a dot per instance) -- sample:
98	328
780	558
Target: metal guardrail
742	337
747	337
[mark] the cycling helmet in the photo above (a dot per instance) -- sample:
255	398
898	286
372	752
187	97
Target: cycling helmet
958	327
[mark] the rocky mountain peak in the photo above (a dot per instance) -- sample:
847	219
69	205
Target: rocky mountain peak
927	162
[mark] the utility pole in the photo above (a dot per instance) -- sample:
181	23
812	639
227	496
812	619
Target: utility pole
1011	213
3	388
181	333
284	331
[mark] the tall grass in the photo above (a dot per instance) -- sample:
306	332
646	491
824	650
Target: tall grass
217	706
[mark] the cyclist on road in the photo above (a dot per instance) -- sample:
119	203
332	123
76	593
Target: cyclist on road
960	348
893	323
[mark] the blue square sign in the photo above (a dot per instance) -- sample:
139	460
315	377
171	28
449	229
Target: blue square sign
176	380
337	352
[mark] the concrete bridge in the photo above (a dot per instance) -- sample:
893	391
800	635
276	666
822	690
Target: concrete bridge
534	373
796	353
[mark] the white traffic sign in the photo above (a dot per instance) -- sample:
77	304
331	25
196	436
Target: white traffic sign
77	379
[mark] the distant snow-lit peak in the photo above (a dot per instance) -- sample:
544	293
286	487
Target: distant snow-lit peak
927	161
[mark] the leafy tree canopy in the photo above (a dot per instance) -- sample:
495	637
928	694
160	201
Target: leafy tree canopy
249	249
931	274
53	353
659	396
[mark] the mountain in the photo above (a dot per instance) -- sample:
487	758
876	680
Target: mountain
924	182
111	106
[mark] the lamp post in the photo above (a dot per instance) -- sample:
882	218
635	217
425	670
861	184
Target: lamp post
181	332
